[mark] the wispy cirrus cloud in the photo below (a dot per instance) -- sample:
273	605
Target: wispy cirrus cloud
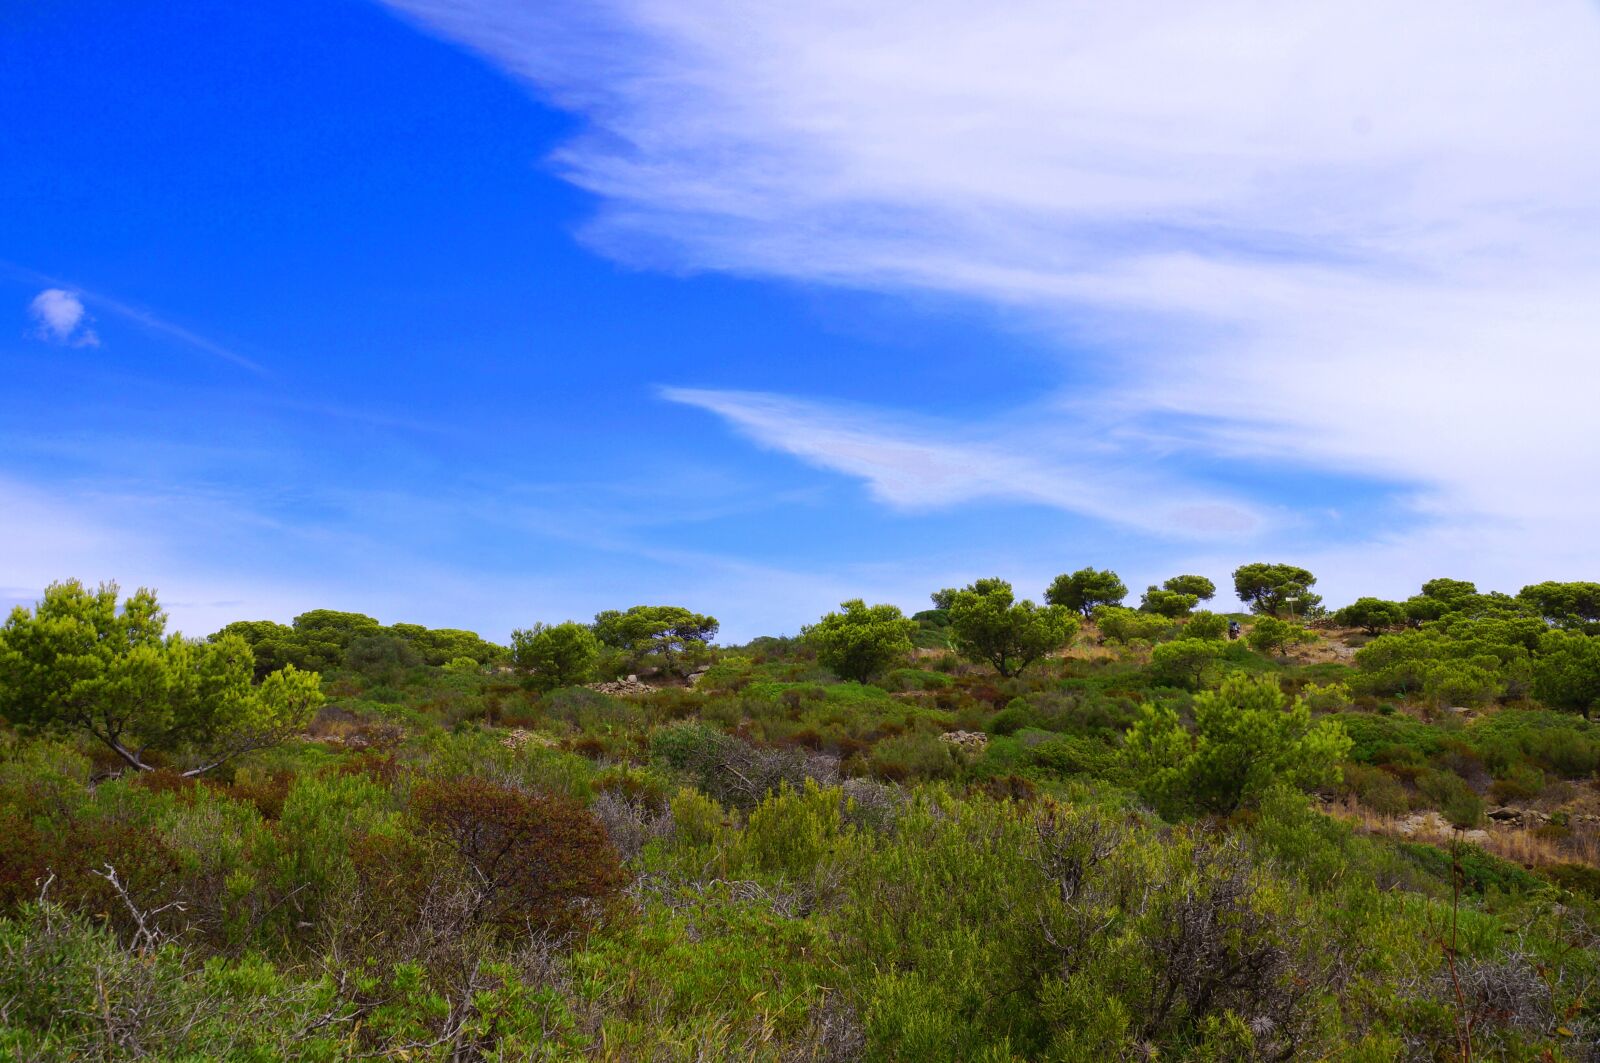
1355	237
930	466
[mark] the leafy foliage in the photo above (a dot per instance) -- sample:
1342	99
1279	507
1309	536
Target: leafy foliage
1271	635
1371	615
1086	589
1202	588
988	624
666	635
861	641
1168	603
555	655
78	662
1274	589
1247	735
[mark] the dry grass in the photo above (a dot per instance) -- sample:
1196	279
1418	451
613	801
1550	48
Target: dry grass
1520	845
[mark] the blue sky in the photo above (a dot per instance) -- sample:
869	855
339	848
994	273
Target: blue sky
475	313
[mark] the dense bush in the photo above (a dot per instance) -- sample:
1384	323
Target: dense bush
537	861
1115	858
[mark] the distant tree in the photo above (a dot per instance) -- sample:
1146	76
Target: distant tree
1565	604
1275	589
1086	588
988	624
1185	662
1206	625
933	629
77	662
555	655
664	635
1566	673
323	635
862	640
943	598
1119	624
1167	603
274	645
440	645
381	657
1271	635
1371	615
1247	736
1449	590
1202	588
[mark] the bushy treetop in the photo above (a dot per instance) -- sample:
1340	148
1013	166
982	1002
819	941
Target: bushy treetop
1086	588
78	662
1268	588
988	624
861	640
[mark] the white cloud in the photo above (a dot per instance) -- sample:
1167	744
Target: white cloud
59	316
927	466
1361	237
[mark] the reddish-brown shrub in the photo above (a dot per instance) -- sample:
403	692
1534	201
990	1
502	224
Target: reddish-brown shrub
379	767
165	781
540	860
267	793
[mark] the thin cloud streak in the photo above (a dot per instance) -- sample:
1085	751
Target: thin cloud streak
137	314
933	466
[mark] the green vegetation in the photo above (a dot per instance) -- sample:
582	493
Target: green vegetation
1276	589
555	655
989	625
862	641
1086	589
999	846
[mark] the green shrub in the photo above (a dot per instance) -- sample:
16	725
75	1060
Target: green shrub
902	679
1480	871
1247	737
912	756
1014	717
1451	795
1118	624
1376	789
791	831
1185	662
1206	625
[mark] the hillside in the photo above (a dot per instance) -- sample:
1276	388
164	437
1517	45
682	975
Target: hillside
993	831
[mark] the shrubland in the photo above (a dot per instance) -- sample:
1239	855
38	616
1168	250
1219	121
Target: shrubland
993	830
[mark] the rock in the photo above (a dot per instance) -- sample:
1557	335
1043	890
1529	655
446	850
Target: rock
630	685
520	737
1475	837
1505	815
971	742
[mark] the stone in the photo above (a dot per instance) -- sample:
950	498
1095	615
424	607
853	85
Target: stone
971	742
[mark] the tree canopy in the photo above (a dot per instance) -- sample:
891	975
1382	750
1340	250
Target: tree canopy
1371	615
988	624
555	655
1247	736
862	640
79	662
1168	603
1203	589
1564	604
1273	589
1085	589
657	635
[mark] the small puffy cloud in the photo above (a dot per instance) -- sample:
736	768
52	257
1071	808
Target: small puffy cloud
59	317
